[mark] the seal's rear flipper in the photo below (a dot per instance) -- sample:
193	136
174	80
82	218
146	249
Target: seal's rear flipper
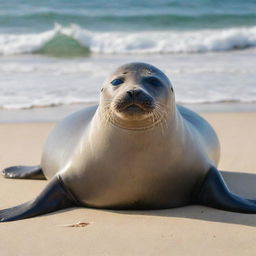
24	172
214	193
54	197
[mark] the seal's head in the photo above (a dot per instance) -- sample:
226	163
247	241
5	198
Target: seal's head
137	96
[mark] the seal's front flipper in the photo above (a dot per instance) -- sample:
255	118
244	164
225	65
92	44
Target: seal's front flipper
214	193
54	197
24	172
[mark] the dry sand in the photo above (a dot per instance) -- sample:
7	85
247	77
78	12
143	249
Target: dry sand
193	230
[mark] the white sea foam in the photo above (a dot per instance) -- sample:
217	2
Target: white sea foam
134	42
47	88
28	81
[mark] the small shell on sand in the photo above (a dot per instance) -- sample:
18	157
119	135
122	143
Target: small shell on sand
76	225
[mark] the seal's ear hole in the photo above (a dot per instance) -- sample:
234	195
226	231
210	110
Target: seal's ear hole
171	89
102	89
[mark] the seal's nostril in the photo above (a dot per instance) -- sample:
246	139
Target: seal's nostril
137	92
133	93
130	93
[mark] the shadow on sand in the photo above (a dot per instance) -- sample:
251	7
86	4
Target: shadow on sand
243	184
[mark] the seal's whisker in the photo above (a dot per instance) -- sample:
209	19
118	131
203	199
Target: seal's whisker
159	117
162	112
107	113
153	118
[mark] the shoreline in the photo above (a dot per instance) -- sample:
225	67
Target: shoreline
57	113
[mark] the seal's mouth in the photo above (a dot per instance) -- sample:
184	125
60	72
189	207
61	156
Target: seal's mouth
135	108
135	104
141	115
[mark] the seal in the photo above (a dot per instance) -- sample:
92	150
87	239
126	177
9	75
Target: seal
136	149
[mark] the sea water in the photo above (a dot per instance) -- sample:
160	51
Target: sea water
59	52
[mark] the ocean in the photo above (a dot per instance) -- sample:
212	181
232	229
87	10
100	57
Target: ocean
58	53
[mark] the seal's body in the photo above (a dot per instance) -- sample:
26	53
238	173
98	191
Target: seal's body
137	149
149	168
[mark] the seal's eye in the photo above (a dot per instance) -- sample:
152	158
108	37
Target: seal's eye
153	81
117	82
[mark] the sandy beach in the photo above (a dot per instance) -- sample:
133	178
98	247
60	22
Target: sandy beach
54	59
192	230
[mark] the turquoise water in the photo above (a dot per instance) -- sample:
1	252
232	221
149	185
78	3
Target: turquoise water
81	27
100	15
59	52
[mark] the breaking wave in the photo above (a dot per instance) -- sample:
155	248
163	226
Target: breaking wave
76	41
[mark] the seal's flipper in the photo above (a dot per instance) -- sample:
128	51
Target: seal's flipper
215	193
54	197
24	172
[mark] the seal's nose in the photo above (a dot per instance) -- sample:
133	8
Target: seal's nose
133	93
